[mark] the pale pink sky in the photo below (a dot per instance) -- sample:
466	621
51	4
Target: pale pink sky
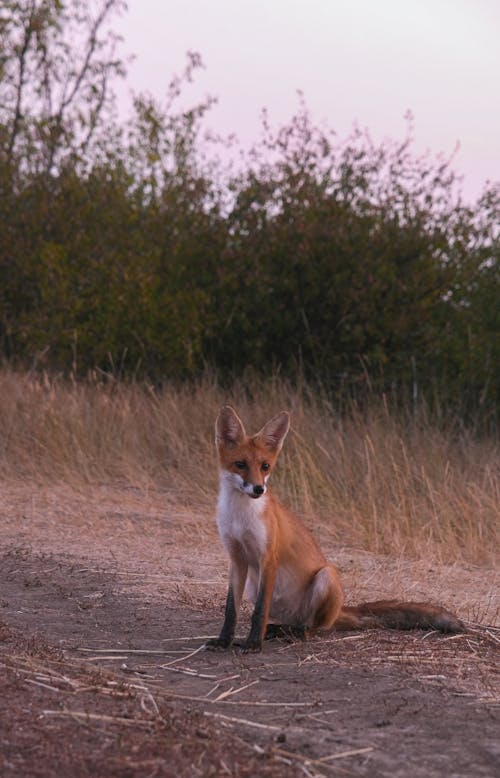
368	61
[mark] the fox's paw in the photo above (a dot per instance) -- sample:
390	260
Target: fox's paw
248	646
216	644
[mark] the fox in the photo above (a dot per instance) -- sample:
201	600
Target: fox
275	560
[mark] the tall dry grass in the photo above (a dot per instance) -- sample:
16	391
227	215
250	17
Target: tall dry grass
385	480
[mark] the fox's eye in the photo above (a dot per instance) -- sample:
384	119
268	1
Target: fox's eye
265	466
240	464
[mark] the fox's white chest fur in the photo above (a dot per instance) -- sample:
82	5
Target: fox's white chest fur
239	519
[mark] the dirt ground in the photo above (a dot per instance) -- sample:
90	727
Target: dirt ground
106	598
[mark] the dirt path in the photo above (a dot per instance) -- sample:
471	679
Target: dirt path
102	671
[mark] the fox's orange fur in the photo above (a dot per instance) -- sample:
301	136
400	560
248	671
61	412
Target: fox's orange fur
295	590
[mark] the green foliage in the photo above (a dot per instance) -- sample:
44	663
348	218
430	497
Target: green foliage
127	248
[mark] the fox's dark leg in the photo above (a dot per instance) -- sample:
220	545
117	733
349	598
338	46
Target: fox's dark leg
237	577
227	632
261	611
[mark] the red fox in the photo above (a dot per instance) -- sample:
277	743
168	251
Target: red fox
294	589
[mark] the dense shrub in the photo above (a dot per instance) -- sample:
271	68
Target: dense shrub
125	247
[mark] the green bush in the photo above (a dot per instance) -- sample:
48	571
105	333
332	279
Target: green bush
124	247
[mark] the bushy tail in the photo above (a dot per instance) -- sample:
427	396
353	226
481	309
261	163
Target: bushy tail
394	614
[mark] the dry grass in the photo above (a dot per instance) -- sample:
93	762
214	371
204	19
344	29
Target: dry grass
378	479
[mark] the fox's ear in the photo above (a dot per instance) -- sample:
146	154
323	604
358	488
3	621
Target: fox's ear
229	429
274	432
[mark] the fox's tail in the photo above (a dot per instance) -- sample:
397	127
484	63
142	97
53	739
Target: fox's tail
394	614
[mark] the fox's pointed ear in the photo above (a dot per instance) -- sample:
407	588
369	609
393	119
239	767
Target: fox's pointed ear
274	432
229	429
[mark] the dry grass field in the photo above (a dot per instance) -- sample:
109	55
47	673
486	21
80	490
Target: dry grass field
379	480
112	576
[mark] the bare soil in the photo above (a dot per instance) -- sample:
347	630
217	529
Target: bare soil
106	597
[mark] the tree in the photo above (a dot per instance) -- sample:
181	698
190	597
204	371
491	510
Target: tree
126	244
56	66
353	259
58	59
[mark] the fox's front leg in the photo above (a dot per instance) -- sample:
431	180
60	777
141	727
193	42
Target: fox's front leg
237	578
260	614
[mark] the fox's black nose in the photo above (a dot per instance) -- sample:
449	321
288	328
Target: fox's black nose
258	490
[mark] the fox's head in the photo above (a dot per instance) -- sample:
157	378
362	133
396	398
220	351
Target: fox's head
247	461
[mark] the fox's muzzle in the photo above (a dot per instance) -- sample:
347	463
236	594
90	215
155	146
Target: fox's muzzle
257	491
253	490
